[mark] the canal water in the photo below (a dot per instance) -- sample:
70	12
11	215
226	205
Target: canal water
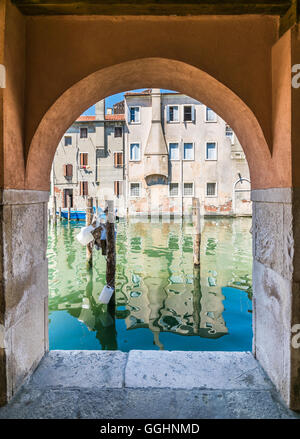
162	301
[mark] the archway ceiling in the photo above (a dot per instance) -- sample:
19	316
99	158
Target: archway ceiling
154	7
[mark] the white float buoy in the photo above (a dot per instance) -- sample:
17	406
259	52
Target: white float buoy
106	294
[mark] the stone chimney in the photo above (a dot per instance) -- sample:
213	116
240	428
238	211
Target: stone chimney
156	151
100	109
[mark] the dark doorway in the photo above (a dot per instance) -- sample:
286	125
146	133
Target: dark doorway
68	192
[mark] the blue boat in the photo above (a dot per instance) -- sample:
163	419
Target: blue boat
79	215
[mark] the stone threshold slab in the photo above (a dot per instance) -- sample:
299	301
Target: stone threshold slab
188	370
80	369
150	369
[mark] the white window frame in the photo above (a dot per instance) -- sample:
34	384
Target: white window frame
70	137
168	113
216	193
207	159
174	196
174	160
134	143
140	189
193	113
210	121
188	182
129	115
232	136
188	160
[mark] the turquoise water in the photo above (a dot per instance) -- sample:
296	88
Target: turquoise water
162	302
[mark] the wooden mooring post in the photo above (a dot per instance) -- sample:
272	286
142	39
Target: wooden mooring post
54	210
111	250
197	231
69	207
59	213
196	300
89	217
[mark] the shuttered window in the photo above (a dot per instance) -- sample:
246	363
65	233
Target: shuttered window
118	188
118	159
134	114
210	115
84	188
68	170
187	113
83	159
173	113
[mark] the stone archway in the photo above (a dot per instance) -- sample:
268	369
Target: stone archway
150	72
24	332
270	280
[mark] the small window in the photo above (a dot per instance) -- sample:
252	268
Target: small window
118	159
174	151
118	188
118	131
134	116
229	134
188	189
83	133
68	140
211	151
135	189
135	152
210	115
68	170
173	113
173	189
188	113
83	159
84	188
211	189
188	151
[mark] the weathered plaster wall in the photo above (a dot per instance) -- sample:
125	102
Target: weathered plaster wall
204	42
276	289
13	98
24	281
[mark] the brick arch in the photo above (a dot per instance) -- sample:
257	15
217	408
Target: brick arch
149	72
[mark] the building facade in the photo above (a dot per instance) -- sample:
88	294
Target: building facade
154	158
89	160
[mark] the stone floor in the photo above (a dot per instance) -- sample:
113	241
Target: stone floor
148	385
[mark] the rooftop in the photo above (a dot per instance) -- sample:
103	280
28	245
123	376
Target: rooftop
107	117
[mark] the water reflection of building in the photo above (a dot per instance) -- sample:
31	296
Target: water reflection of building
155	282
164	294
